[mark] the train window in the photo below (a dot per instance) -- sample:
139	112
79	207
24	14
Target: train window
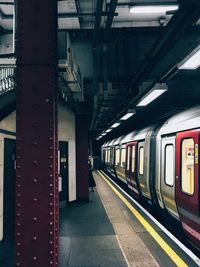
169	165
141	160
123	157
133	159
187	168
128	159
108	155
104	155
112	156
117	157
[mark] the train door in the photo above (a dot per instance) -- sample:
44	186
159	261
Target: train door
187	182
120	162
131	168
140	166
168	175
9	189
63	171
112	160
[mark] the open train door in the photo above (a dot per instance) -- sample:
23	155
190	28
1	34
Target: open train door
187	183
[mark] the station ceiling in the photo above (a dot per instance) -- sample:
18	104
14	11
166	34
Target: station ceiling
130	53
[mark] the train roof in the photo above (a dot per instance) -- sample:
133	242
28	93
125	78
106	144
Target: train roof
185	120
136	135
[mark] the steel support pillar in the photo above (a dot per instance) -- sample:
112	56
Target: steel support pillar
36	149
82	153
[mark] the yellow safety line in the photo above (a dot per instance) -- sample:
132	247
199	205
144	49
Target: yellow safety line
122	174
170	252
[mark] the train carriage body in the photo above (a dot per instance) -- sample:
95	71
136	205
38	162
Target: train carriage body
161	163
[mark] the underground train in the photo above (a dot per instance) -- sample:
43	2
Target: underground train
160	164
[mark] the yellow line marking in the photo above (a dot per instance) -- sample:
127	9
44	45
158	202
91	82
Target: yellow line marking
120	173
142	185
170	252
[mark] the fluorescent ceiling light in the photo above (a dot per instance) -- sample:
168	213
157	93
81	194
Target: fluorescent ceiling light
115	124
192	61
156	91
153	9
109	130
128	114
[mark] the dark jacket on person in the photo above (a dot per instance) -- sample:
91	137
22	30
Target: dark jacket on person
91	178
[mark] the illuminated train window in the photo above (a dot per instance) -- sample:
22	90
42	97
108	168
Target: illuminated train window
141	160
123	157
108	155
128	159
117	157
187	166
169	165
133	159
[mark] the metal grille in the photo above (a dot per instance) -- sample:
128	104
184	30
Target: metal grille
7	80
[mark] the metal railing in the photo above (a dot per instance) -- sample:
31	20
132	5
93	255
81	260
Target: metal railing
7	79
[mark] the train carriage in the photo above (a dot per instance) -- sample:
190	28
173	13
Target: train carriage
161	164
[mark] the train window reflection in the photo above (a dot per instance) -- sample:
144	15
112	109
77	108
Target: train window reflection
169	165
141	160
133	159
187	181
117	157
108	155
123	157
128	159
112	155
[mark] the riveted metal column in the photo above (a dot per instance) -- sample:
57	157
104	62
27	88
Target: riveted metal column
82	144
36	168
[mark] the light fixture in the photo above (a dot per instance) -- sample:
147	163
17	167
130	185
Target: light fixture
192	61
109	130
116	124
129	113
155	92
152	9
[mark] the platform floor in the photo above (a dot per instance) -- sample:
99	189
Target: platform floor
91	234
87	237
104	232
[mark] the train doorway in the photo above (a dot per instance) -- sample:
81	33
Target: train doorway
63	172
187	182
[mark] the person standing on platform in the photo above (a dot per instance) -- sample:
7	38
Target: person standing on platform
92	183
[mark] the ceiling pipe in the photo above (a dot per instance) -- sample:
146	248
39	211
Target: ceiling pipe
97	22
79	15
7	3
174	30
112	8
